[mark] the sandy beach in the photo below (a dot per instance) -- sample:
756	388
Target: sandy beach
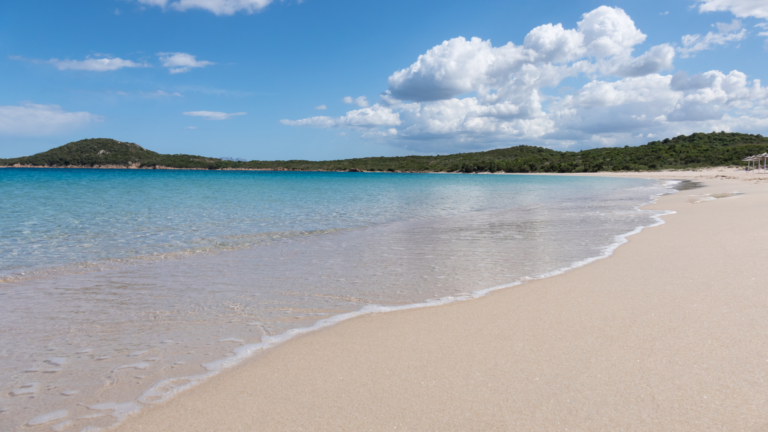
669	333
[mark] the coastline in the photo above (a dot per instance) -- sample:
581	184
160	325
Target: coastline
662	174
422	366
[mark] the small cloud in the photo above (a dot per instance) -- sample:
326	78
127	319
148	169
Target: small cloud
740	8
96	64
664	13
191	127
321	107
181	62
213	115
35	119
360	101
726	32
160	93
218	7
117	12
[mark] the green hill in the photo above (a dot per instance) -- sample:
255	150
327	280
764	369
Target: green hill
682	152
104	151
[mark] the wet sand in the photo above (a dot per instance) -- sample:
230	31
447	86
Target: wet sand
670	333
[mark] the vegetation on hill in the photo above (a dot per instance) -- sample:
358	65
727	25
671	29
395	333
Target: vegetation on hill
682	152
104	151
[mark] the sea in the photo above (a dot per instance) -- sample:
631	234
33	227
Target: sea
122	288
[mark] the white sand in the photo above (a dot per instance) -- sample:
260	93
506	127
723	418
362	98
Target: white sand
670	333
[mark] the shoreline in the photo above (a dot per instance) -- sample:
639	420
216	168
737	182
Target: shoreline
685	173
156	416
162	389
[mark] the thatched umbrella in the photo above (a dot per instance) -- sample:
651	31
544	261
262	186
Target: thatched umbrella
760	159
751	161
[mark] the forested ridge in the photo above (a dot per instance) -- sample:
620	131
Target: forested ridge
682	152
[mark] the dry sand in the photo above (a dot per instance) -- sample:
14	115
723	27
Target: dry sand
670	333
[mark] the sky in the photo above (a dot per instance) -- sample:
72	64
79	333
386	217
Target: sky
334	79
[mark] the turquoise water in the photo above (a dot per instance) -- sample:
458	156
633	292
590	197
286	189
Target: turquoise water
119	288
59	217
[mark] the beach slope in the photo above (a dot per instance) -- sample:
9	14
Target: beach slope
670	333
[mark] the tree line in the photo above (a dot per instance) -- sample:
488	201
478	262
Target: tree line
682	152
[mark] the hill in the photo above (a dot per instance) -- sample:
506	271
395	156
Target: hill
682	152
100	152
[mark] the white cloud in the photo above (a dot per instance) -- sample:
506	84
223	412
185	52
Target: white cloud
213	115
609	31
740	8
452	68
160	93
549	54
218	7
181	62
726	32
96	64
658	102
467	93
658	58
763	26
360	101
191	127
321	107
36	119
161	3
376	115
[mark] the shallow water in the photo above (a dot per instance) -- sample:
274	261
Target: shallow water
116	281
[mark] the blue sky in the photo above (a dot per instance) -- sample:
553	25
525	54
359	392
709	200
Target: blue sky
245	78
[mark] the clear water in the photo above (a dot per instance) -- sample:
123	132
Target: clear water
120	287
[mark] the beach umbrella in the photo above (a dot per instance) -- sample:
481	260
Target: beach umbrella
749	160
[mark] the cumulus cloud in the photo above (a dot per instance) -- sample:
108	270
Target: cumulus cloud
218	7
657	59
468	93
360	101
96	64
726	32
321	107
603	40
658	102
609	31
213	115
36	119
181	62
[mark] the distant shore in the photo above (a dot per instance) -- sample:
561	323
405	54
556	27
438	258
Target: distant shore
667	334
680	152
661	174
137	167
